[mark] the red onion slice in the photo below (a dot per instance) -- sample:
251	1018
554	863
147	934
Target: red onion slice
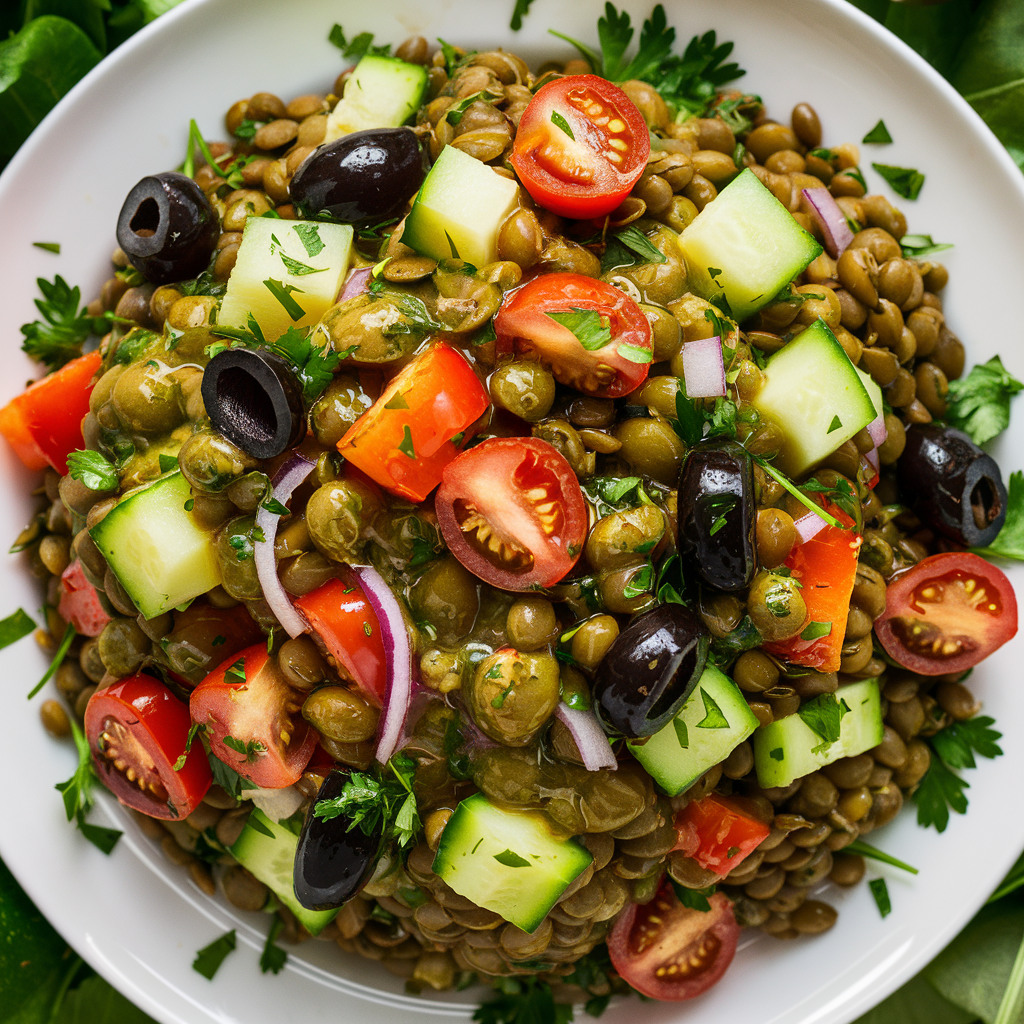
873	460
876	428
357	283
809	526
291	474
703	368
591	740
836	231
399	655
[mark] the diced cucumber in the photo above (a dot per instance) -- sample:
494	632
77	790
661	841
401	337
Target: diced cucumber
507	861
462	203
815	396
155	549
873	390
271	858
696	740
746	246
381	92
785	750
287	274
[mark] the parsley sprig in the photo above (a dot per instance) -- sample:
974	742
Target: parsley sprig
979	404
527	1000
1010	541
78	799
379	805
58	337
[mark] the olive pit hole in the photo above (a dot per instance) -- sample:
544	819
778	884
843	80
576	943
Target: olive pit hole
985	503
246	403
146	219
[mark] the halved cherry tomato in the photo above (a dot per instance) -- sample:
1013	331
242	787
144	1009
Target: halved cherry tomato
947	613
589	169
671	952
80	602
137	729
512	512
246	700
719	832
44	423
419	423
342	617
525	327
826	566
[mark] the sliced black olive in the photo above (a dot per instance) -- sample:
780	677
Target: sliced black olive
254	399
717	514
367	174
650	670
954	486
332	861
167	228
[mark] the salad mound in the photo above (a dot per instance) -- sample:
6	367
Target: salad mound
520	525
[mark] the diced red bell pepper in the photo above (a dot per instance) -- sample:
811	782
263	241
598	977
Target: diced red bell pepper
80	602
44	423
718	833
826	566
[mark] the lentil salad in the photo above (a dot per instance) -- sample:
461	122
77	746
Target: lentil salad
614	598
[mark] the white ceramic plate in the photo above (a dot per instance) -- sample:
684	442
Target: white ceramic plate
137	918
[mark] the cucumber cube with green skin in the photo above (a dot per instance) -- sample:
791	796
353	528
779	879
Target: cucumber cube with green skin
714	721
459	209
271	858
155	549
744	246
873	390
815	396
788	748
381	92
287	274
507	861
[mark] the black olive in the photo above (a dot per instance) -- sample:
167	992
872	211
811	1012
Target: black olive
332	861
367	174
650	670
254	399
717	515
954	486
167	228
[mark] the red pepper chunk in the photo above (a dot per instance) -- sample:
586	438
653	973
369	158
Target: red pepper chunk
44	423
718	833
826	566
419	424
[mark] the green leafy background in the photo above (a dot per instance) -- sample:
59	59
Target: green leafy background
48	45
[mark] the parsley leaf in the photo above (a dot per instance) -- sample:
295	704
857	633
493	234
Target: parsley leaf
1009	543
957	743
48	246
58	337
511	859
209	958
629	247
93	470
314	365
713	717
881	893
560	122
841	493
14	627
919	246
979	404
592	330
695	899
358	46
879	134
816	630
273	957
520	12
904	181
194	730
77	794
823	716
525	1000
938	791
250	750
227	778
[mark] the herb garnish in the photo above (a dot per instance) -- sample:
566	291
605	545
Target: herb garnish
823	716
591	330
979	404
93	470
904	181
209	958
881	893
358	46
77	794
878	134
560	122
919	246
58	337
249	750
525	1000
872	852
695	899
58	658
713	717
273	958
1009	542
283	294
629	247
511	859
14	627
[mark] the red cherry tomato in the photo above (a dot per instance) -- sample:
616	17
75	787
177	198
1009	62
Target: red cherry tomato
616	351
718	832
587	170
137	729
339	614
419	423
826	566
671	952
252	719
947	613
512	512
44	423
80	602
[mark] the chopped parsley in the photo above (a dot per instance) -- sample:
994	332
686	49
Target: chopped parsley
904	181
58	659
823	716
309	235
713	717
93	470
77	794
816	630
873	853
405	446
358	46
878	135
58	337
194	730
682	733
836	424
235	672
14	627
560	122
695	899
48	246
519	12
639	583
511	859
283	294
590	328
524	1000
880	891
209	958
628	247
979	404
273	958
250	750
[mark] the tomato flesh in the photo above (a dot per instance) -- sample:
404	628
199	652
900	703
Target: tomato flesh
947	613
246	700
137	729
44	423
80	602
826	566
718	833
589	169
419	424
524	328
512	512
340	614
671	952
